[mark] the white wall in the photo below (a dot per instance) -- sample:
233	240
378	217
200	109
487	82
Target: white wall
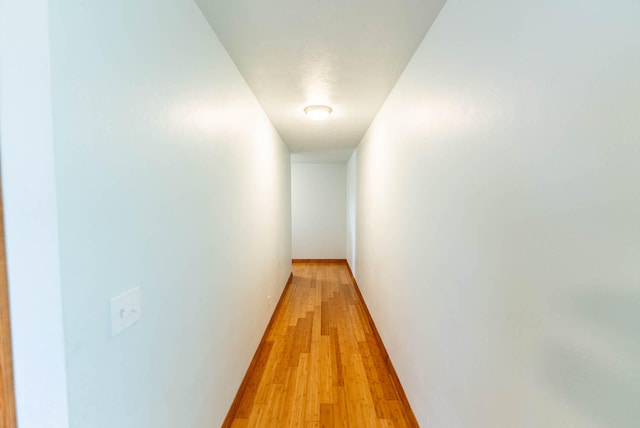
497	201
318	210
169	177
30	215
352	218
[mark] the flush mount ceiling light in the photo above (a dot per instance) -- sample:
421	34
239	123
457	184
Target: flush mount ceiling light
318	112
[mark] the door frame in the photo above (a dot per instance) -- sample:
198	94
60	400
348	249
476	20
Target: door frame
7	393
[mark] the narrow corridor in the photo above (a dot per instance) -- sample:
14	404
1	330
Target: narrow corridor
320	363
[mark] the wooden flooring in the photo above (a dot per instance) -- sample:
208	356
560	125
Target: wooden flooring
321	363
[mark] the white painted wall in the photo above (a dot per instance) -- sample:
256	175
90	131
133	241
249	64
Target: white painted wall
29	198
168	176
498	211
318	210
352	218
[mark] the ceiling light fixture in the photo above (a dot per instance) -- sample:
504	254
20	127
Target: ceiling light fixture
318	112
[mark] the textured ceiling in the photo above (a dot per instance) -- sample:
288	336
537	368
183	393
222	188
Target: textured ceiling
346	54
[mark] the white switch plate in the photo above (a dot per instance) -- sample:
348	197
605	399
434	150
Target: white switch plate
125	310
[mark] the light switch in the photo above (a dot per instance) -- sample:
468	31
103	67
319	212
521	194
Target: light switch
125	310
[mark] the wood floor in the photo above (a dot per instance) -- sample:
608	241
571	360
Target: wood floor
320	363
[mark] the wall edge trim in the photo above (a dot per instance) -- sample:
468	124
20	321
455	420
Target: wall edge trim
228	420
395	380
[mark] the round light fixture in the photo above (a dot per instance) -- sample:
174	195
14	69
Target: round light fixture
318	112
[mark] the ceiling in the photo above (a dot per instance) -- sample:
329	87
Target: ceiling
345	54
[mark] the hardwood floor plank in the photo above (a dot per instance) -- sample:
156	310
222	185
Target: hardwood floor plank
298	408
321	362
244	410
325	393
340	412
325	318
336	358
326	415
312	411
240	423
276	394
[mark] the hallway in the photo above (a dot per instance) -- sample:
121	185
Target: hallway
320	364
478	168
